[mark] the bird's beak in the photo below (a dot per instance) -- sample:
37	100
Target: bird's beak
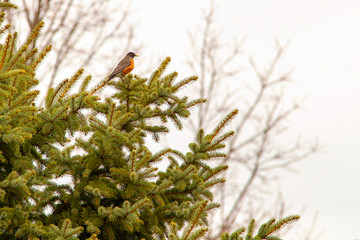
136	55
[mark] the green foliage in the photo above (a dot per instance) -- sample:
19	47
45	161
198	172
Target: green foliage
116	190
264	231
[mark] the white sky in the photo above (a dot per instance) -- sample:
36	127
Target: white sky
325	51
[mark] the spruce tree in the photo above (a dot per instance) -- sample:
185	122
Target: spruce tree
116	191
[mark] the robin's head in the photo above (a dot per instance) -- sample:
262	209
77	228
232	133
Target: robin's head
131	54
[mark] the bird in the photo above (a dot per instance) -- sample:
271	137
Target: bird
125	66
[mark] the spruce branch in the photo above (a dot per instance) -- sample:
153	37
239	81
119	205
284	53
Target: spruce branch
28	96
184	82
5	53
2	15
7	5
194	221
157	73
11	73
215	145
271	226
223	122
139	204
71	82
6	27
41	57
13	43
195	102
122	120
34	33
99	86
30	55
53	93
85	84
66	231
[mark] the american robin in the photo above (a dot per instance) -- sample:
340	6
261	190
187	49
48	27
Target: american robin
125	66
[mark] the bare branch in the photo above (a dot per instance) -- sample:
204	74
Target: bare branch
254	153
80	32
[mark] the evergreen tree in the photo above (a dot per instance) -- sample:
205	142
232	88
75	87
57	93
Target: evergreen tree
116	191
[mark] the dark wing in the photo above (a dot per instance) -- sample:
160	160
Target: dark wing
124	63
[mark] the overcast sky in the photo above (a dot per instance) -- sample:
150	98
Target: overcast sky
325	54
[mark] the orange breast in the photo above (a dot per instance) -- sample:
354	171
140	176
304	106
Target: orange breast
129	68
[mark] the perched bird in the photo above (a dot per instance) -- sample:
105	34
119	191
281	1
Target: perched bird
125	66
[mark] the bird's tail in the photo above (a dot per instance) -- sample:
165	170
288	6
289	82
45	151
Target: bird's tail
111	76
